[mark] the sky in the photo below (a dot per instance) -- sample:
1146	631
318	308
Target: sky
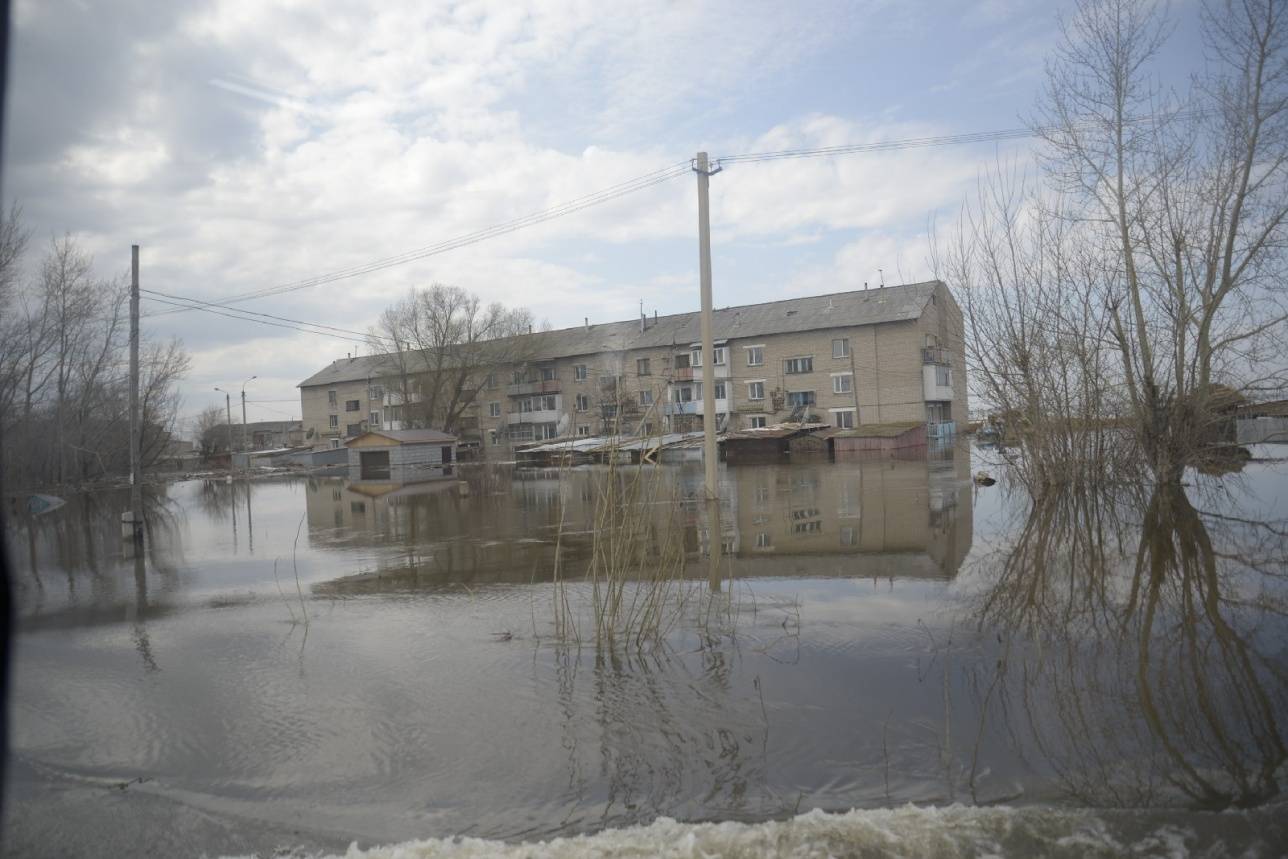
245	145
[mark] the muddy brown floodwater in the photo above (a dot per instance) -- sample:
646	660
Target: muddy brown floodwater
304	663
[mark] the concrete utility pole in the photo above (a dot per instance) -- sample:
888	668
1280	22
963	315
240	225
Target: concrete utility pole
243	392
709	454
228	405
135	525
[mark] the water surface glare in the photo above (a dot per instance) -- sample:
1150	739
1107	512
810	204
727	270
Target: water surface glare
304	663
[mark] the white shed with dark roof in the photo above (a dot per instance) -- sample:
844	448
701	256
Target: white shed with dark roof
401	456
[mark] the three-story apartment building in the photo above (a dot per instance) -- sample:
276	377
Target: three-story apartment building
883	355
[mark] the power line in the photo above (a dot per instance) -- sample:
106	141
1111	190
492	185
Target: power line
232	315
197	304
938	140
630	186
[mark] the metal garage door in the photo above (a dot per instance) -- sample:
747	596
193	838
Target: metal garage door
375	464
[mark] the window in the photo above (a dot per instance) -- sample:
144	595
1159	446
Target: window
843	418
330	399
943	375
842	384
492	436
641	367
763	541
335	442
793	366
648	428
758	422
335	422
849	537
755	356
376	392
494	410
490	381
547	374
800	398
583	430
755	390
357	507
682	361
352	429
583	403
718	355
579	372
374	420
841	347
646	398
353	405
720	390
684	394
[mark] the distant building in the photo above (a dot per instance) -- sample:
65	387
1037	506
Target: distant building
874	356
261	435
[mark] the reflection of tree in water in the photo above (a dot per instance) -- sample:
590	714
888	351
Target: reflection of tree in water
663	732
1142	646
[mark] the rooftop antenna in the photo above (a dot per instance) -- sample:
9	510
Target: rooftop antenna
643	317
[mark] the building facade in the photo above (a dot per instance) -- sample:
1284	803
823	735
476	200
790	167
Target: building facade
885	355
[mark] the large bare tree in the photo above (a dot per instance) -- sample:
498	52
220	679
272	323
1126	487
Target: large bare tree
1156	229
63	388
442	342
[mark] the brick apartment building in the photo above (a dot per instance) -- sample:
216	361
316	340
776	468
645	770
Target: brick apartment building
883	355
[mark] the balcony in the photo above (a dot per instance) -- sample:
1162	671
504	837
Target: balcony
543	416
933	378
549	386
693	407
934	355
685	374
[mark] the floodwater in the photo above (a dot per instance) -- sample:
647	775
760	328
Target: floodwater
303	663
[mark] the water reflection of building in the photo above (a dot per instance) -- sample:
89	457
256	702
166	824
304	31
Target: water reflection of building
878	518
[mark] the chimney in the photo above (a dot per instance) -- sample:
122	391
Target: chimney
587	319
654	315
529	327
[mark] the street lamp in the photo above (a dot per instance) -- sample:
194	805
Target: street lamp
228	405
243	395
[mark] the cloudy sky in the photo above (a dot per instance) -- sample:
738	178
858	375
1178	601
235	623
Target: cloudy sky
250	144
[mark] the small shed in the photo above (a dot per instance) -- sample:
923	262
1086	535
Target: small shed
401	456
881	439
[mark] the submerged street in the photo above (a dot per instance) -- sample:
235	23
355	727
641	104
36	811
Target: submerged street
308	662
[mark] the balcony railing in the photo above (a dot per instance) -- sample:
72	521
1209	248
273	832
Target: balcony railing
542	416
547	386
689	408
934	355
685	374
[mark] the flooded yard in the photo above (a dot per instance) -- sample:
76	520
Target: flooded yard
303	663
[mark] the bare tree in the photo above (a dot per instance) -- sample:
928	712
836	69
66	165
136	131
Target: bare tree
209	424
441	344
1158	229
63	386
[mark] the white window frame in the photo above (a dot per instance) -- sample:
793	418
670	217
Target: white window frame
722	391
759	421
579	372
583	429
759	351
581	403
494	410
335	422
374	420
837	383
751	392
646	397
790	362
845	347
851	412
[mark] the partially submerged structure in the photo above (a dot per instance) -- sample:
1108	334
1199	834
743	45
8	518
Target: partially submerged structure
401	456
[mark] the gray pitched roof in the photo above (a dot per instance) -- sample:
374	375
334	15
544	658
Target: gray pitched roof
411	436
808	313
